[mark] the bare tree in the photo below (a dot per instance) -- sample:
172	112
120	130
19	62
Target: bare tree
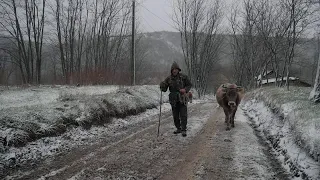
246	44
198	22
6	67
298	12
21	21
91	36
68	21
266	36
10	24
315	93
35	18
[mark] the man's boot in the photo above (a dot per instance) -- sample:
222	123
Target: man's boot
184	133
177	131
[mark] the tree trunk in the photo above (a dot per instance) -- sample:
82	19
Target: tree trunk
315	93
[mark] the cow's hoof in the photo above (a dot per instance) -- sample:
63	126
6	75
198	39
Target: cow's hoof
232	125
228	129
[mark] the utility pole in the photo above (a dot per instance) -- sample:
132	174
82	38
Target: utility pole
133	49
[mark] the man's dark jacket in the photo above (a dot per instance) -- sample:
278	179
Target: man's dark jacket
175	83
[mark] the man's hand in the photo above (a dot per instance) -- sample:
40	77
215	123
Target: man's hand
182	91
163	86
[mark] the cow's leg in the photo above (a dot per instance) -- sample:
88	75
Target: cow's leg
226	115
229	115
232	118
228	122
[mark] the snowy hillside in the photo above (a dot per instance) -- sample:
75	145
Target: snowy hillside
162	49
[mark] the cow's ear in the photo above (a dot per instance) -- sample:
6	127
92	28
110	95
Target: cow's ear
224	88
240	89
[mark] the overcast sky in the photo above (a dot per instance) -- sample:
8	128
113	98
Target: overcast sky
156	15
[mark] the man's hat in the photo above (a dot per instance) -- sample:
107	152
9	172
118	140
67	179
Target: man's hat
175	66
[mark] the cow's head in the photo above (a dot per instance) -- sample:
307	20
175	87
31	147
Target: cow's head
231	94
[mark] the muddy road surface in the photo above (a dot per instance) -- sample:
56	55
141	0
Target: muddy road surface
208	152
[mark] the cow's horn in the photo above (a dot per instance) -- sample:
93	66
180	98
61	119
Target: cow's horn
224	86
239	87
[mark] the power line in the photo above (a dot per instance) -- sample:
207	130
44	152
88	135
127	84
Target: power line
148	23
156	15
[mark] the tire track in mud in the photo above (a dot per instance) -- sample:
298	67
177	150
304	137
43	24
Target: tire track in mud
204	158
114	154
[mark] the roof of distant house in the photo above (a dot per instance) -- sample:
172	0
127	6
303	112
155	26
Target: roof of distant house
272	80
264	74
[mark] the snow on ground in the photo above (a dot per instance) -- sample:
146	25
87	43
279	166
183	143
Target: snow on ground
290	123
30	116
25	122
196	123
75	137
18	97
251	159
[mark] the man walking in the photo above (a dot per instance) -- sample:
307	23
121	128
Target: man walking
179	87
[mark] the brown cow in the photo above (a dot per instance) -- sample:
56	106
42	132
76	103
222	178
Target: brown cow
229	97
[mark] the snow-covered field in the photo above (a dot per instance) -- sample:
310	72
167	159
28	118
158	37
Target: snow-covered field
30	114
18	97
291	125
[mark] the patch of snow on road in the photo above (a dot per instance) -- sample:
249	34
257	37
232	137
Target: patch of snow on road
197	121
250	159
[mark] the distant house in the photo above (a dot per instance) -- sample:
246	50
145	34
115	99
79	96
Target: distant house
269	73
269	79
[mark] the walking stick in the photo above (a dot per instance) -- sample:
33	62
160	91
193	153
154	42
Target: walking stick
159	114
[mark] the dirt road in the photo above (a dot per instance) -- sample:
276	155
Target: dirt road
208	152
